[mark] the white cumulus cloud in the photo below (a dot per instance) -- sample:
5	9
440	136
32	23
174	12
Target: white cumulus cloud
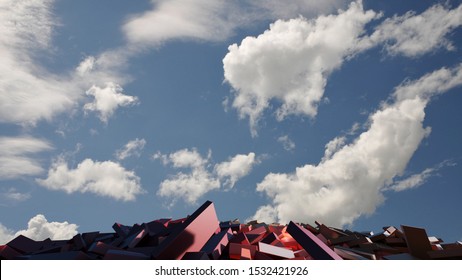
201	177
38	228
108	99
17	156
291	61
105	178
132	148
351	181
236	168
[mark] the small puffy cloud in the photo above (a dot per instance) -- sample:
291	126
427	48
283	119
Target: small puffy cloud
16	157
38	228
416	34
108	99
290	63
287	143
350	181
187	186
201	178
105	178
132	148
416	180
236	168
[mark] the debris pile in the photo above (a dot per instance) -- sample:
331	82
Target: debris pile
201	236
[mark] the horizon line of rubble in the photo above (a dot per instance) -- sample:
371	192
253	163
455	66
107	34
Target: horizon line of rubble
201	236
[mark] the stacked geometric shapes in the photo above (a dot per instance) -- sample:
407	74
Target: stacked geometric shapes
201	236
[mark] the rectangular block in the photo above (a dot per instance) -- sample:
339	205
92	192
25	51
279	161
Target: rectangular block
352	254
191	235
242	251
315	247
217	243
101	248
89	237
455	254
8	253
347	254
154	228
195	256
417	241
120	229
24	244
275	251
403	256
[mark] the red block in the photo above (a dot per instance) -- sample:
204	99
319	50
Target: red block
242	251
315	247
189	236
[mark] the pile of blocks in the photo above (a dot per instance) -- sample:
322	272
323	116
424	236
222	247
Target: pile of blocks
201	236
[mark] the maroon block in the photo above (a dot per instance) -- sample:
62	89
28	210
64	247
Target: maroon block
78	243
217	243
417	241
101	248
155	227
315	247
454	254
271	239
195	256
24	244
120	229
8	253
240	238
90	237
353	254
275	251
191	235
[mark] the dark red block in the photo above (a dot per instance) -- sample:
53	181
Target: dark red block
8	253
195	256
315	247
189	236
417	241
24	244
217	243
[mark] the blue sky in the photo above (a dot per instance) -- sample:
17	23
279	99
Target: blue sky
342	112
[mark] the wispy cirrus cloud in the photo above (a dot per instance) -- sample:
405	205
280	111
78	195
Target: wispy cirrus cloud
17	157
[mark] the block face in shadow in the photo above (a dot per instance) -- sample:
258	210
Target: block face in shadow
315	247
24	244
417	241
191	235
